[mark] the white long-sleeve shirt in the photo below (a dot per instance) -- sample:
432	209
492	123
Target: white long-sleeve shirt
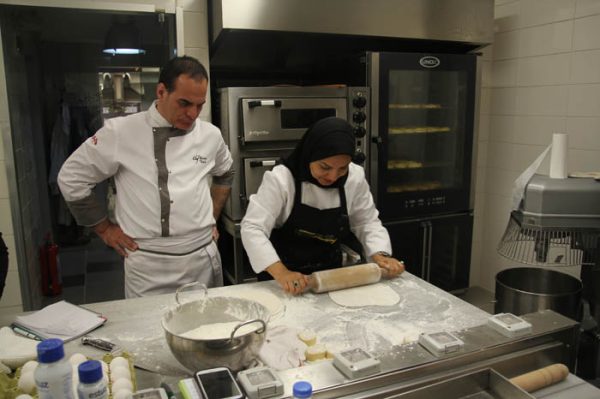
271	206
127	148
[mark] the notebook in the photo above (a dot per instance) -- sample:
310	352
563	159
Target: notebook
62	320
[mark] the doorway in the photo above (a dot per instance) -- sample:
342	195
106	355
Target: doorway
61	88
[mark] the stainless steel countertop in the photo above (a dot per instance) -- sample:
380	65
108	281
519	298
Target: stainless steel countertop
386	332
135	324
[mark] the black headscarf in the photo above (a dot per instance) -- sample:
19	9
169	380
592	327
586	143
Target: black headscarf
326	138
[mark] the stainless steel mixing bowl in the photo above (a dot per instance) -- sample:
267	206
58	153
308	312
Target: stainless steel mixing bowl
236	352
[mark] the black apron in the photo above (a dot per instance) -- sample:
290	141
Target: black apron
310	239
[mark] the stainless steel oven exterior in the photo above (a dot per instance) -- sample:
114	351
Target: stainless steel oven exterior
261	125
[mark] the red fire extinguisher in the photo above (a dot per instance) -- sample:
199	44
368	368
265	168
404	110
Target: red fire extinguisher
51	279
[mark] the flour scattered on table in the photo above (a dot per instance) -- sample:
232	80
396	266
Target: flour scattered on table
367	295
273	304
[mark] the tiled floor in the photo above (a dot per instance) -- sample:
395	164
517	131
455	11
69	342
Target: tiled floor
90	273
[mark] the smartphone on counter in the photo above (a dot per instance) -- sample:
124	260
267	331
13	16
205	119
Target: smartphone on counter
218	383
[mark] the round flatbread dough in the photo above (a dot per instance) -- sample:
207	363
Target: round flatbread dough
273	304
367	295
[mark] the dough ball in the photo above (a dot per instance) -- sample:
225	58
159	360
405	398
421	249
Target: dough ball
26	382
118	361
29	366
122	394
308	337
121	384
77	358
75	374
315	352
120	372
24	396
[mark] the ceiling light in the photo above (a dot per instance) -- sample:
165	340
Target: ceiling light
123	38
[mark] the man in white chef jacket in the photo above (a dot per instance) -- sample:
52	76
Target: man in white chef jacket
162	161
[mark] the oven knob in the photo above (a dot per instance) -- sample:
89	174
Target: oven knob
359	102
359	117
359	158
360	131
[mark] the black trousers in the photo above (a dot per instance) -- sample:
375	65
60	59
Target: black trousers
3	264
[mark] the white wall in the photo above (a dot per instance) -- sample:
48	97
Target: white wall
540	76
196	45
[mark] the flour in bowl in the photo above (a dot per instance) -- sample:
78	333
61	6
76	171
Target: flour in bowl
220	330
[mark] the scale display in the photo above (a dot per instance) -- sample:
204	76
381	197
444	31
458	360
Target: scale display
260	382
356	363
440	343
509	325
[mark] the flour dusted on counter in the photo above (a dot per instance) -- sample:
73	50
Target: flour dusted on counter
219	330
421	308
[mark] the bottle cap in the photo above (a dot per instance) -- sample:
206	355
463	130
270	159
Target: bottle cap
50	350
302	389
90	371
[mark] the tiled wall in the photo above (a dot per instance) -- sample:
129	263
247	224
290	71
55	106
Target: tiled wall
540	76
196	45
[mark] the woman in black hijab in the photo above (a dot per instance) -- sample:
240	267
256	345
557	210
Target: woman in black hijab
308	207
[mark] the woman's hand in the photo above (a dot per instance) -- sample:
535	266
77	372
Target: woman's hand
289	281
392	267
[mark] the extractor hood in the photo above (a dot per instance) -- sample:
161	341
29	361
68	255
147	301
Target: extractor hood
257	32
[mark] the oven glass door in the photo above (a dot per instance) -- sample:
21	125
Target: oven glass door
426	131
285	119
254	169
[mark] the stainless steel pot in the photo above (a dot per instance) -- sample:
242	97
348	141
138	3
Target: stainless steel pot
236	351
526	289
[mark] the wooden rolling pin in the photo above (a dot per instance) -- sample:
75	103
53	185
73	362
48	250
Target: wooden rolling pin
541	378
344	277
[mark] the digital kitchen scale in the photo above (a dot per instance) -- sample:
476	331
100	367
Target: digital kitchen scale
355	363
509	325
260	382
440	343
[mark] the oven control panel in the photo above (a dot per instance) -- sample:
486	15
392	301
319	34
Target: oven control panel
358	116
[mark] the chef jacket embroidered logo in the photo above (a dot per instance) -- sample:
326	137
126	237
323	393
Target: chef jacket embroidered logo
199	158
94	140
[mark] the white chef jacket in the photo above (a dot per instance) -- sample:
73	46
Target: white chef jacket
163	196
124	148
271	206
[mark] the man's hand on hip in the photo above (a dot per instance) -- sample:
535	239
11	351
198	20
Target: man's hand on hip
114	237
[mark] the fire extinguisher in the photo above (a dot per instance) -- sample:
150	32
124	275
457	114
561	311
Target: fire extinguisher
51	279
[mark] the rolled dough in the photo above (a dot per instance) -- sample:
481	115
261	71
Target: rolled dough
367	295
265	298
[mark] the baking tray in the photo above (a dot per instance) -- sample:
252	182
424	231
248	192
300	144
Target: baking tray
483	384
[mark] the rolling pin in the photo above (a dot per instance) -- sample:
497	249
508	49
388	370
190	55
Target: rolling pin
541	378
344	277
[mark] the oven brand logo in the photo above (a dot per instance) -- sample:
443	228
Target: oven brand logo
429	61
258	133
199	158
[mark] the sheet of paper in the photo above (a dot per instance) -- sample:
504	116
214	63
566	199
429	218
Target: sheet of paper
61	320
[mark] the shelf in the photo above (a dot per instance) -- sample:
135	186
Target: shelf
418	130
415	106
403	164
423	186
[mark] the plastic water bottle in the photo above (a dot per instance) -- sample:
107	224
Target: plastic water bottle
53	376
302	390
92	385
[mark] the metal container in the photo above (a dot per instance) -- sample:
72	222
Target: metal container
526	289
482	384
237	351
